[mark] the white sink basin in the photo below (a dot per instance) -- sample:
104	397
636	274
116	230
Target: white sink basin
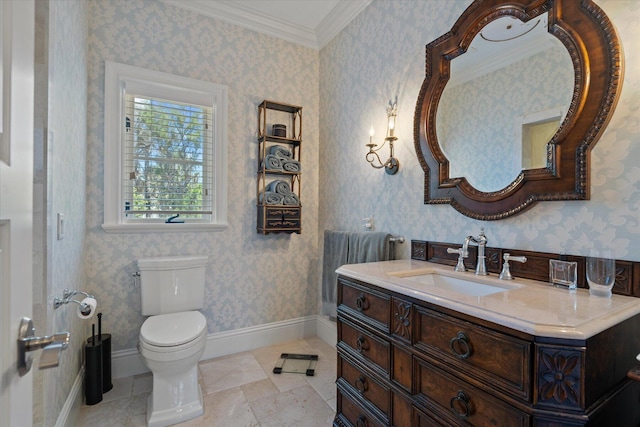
467	287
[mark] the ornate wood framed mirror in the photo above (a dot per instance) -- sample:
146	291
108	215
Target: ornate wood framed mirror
561	84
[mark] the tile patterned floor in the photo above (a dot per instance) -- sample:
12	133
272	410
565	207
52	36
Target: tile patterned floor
239	390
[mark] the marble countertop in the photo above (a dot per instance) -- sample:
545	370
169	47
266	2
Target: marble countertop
525	305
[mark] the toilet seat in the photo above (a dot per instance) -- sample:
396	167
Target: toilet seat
172	330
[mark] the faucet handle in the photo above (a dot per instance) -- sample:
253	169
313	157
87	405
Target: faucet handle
482	238
461	256
505	274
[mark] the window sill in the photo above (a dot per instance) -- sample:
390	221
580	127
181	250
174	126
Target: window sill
162	228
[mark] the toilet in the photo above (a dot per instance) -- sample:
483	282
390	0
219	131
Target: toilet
173	338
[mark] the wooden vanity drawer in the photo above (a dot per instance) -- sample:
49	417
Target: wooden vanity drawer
461	402
500	360
353	412
273	218
364	385
282	212
361	344
421	419
372	307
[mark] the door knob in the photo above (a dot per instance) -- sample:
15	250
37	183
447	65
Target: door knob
27	342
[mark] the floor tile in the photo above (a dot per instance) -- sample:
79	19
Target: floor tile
229	372
225	408
121	388
129	412
298	407
142	384
240	390
259	389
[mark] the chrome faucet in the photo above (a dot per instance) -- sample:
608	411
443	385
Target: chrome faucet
505	274
463	252
461	256
481	241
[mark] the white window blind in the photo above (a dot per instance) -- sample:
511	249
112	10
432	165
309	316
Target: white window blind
167	159
165	152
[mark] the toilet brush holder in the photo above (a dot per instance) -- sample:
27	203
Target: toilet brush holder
93	370
105	341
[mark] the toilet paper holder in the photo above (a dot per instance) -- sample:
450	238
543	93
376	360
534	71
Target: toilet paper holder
86	306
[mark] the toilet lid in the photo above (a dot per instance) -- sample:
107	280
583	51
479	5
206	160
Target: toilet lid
166	330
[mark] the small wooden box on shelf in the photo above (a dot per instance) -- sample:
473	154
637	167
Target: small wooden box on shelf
279	168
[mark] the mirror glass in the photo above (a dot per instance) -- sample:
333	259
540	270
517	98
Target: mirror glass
506	97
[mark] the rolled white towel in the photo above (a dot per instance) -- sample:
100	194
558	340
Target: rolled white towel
291	199
291	165
272	162
271	198
280	151
279	186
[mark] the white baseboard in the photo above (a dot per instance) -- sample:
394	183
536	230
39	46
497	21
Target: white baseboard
125	363
327	330
69	412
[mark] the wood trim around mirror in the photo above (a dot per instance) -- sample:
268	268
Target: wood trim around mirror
593	45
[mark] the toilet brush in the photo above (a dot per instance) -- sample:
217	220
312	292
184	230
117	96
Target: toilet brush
105	341
93	369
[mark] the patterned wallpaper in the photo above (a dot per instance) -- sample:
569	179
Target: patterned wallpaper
251	279
381	55
344	90
66	193
476	122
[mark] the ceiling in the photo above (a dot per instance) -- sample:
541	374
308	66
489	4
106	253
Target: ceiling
311	23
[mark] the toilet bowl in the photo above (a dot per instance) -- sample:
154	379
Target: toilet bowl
171	346
173	338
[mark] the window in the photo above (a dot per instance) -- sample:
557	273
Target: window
165	152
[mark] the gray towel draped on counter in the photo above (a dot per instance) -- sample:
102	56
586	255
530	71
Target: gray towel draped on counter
345	247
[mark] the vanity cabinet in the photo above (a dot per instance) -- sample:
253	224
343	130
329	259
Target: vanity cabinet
404	362
282	216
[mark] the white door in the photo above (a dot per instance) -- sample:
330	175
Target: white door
16	205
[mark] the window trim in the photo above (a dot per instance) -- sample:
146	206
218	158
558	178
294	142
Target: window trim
184	89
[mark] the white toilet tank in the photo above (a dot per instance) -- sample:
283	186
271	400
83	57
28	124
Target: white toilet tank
171	284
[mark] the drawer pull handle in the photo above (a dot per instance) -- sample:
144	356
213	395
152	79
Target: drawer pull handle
361	384
461	400
462	342
361	421
360	302
360	344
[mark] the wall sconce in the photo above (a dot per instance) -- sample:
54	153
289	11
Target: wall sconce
391	165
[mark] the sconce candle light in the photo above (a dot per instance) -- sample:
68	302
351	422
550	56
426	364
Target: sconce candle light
391	165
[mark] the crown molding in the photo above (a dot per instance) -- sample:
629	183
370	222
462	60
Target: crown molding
241	15
338	19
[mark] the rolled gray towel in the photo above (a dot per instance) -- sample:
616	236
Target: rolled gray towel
291	165
291	199
279	186
272	162
280	151
271	198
